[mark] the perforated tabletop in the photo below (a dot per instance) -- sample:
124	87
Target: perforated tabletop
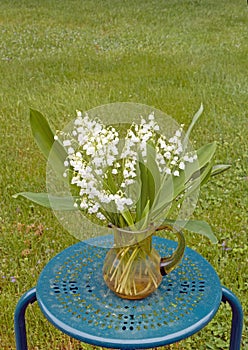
73	296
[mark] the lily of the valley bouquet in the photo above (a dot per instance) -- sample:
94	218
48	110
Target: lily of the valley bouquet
131	178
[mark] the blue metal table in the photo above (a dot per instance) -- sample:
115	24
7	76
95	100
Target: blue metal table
74	298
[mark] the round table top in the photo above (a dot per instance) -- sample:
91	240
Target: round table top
73	296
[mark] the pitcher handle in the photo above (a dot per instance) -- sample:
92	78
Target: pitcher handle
167	264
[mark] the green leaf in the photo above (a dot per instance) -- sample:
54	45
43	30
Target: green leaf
204	156
44	137
145	217
42	132
194	174
128	217
153	174
48	201
219	168
170	188
142	201
191	126
201	178
196	226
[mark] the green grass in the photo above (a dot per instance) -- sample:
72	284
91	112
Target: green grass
59	56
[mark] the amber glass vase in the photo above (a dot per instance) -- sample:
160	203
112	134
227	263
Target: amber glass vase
133	269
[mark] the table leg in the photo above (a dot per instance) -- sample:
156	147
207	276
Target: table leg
237	318
19	319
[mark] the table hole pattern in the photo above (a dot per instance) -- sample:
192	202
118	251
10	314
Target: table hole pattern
76	294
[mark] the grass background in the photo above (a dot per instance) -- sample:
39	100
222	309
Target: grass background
59	56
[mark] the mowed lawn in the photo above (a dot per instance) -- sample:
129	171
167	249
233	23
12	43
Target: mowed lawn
60	56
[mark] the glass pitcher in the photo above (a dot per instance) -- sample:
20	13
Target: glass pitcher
133	269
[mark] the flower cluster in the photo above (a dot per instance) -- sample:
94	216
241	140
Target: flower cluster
168	152
131	178
103	166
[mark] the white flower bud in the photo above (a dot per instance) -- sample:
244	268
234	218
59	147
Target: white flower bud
181	165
